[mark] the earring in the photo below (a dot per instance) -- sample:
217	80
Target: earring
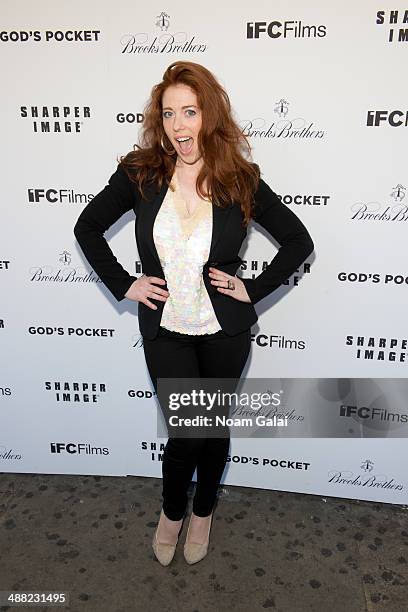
164	148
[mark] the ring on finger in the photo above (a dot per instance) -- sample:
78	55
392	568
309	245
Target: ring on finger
231	284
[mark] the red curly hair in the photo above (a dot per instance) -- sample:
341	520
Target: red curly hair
226	172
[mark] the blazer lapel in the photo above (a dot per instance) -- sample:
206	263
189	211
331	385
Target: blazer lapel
150	210
220	216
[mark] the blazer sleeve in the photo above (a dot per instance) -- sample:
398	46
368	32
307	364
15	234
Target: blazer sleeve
101	212
295	242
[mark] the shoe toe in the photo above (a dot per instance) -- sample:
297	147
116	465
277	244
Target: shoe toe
164	552
195	552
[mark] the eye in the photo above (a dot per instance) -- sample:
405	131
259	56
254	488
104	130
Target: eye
190	110
166	114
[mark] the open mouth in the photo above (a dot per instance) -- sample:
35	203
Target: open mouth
185	144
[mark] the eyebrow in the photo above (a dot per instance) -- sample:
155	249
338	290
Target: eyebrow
188	106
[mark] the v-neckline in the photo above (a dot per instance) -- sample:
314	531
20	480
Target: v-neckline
188	222
178	195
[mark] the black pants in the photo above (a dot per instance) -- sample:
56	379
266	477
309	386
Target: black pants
175	355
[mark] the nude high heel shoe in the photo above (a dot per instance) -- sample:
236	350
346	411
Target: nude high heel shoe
193	551
164	551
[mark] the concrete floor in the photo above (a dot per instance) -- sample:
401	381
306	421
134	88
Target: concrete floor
91	536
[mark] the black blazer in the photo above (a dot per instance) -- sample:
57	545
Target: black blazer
234	316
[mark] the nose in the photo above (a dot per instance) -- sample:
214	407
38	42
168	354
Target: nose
178	122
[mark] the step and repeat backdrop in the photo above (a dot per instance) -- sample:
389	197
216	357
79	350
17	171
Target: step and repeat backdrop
318	89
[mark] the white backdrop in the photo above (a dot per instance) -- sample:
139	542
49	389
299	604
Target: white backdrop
317	87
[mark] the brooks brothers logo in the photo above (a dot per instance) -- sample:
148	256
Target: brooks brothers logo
71	36
166	42
75	448
277	411
277	342
285	29
397	23
283	127
378	211
53	195
64	273
77	332
8	454
64	391
371	277
253	267
364	478
56	119
4	264
163	21
379	348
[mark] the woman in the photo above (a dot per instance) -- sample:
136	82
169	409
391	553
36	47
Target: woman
194	193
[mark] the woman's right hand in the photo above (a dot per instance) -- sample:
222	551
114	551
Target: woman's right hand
143	288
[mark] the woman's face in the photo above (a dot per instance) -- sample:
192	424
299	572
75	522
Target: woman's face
182	120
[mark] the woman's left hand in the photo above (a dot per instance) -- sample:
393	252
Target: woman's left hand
220	280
